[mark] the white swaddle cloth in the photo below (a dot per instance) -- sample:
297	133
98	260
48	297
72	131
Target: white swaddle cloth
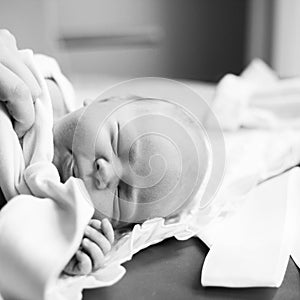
40	229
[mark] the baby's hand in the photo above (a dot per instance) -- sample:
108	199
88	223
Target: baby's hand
96	243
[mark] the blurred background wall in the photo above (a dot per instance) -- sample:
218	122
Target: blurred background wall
195	39
187	39
286	42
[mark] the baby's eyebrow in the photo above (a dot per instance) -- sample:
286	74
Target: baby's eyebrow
118	138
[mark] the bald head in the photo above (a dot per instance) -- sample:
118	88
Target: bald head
139	158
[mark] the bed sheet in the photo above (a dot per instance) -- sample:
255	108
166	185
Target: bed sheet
258	154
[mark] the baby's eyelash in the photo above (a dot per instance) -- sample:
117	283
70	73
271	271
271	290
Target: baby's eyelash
72	163
118	137
72	166
116	140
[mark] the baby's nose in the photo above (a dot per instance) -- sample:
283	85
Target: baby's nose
106	176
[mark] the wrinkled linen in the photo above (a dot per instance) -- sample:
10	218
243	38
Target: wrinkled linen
257	98
252	157
40	231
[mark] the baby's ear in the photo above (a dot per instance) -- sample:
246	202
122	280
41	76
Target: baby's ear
86	102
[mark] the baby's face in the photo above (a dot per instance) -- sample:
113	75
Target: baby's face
114	159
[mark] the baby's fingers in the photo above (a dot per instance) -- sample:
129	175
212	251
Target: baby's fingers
95	253
84	263
98	238
95	224
80	264
108	230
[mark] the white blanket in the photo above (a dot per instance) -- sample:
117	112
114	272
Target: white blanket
42	225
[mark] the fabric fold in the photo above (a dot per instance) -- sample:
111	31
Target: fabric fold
253	246
257	98
294	194
42	225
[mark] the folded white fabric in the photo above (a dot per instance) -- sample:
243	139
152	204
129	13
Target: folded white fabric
294	191
257	99
253	246
42	225
51	70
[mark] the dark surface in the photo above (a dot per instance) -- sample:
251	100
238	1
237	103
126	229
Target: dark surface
2	199
172	270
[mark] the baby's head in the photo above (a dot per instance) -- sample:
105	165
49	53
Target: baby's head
139	158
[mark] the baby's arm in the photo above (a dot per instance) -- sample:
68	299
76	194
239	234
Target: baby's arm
96	243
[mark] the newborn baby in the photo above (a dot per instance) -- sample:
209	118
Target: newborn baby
143	160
